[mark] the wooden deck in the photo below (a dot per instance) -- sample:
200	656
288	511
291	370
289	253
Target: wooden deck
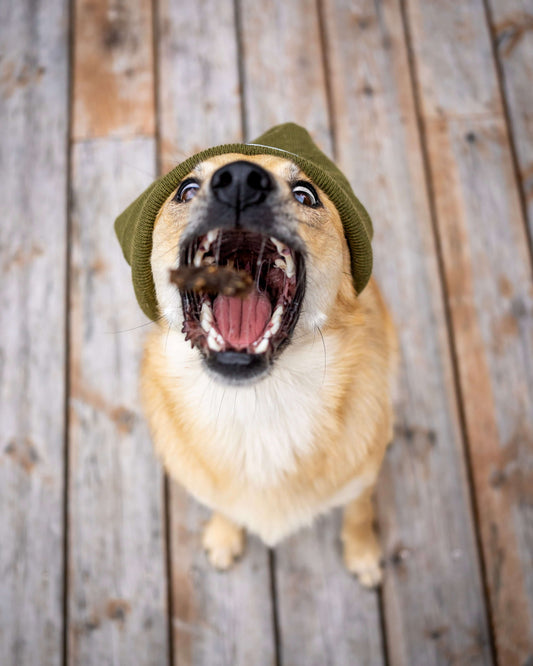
428	106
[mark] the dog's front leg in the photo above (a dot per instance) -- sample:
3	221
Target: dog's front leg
361	549
223	541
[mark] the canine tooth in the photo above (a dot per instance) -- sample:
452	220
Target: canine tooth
280	263
206	317
278	312
213	342
276	320
262	346
291	269
199	256
211	236
280	247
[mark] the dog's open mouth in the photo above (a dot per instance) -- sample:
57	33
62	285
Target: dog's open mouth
236	327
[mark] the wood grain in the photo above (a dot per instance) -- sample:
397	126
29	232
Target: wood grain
113	69
217	618
490	296
33	191
512	33
283	75
117	604
433	597
117	582
321	603
199	91
325	616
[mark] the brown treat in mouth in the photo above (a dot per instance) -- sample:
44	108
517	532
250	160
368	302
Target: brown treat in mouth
212	280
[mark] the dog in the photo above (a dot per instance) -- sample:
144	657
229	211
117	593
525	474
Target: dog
271	406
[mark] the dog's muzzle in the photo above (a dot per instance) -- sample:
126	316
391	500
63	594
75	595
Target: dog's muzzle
240	336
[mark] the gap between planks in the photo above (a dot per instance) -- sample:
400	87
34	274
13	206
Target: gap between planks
449	324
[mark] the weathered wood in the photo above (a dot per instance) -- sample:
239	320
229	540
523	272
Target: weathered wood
433	599
325	616
218	618
113	78
33	191
490	294
322	604
283	74
117	605
117	583
512	32
199	92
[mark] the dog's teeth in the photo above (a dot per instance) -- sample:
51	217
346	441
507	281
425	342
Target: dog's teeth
215	342
291	270
206	317
262	346
276	320
279	245
286	262
211	236
199	255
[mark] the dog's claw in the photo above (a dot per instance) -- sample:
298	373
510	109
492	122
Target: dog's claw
223	541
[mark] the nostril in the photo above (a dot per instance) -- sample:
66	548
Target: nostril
222	178
258	181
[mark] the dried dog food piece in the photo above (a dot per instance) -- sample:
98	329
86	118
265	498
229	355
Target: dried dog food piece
212	279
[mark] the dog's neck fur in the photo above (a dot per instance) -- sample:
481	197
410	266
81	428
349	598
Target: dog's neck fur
258	430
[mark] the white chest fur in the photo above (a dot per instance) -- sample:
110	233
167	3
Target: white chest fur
257	429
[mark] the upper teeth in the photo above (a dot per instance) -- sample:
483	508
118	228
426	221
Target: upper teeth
285	261
206	243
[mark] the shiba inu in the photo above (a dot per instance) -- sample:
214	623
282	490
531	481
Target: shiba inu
273	405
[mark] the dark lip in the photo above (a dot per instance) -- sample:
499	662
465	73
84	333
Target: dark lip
240	366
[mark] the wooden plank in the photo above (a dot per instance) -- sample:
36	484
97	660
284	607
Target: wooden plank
199	91
117	603
512	32
283	76
33	190
113	76
117	582
319	601
433	599
325	617
490	296
218	618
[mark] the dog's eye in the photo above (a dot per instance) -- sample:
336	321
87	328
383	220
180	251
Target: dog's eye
187	190
305	194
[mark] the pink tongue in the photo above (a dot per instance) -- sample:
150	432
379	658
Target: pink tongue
241	321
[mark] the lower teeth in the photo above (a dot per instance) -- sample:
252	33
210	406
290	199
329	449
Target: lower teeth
216	342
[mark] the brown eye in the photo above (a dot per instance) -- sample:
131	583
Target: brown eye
187	191
305	194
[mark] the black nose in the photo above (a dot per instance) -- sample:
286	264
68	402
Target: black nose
241	184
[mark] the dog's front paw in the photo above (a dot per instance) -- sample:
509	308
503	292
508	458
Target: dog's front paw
362	558
223	541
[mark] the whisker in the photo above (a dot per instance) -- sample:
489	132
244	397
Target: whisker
325	353
134	328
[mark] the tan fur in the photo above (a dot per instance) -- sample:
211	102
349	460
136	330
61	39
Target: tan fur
329	391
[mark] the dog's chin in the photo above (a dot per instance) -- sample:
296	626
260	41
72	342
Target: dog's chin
237	368
240	337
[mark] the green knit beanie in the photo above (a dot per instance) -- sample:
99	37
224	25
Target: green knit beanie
135	225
